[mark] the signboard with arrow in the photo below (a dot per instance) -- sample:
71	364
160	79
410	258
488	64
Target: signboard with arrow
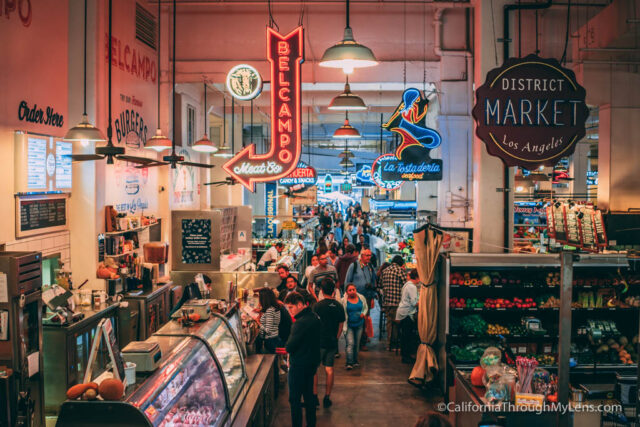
285	55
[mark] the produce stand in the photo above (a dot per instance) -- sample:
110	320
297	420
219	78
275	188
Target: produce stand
580	315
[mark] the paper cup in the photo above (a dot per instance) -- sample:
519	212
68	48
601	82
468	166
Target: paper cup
130	373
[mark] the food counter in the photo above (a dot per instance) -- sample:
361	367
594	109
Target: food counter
202	379
234	262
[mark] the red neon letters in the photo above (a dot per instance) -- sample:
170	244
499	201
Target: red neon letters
285	55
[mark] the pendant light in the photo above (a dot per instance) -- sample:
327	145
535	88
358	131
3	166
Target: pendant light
224	150
84	131
204	144
346	163
158	142
348	54
346	130
346	154
347	101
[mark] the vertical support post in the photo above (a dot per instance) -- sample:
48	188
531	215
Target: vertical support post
564	344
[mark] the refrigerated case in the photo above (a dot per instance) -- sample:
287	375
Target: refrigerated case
152	307
217	334
68	348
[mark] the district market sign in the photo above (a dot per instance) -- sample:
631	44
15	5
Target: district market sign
530	112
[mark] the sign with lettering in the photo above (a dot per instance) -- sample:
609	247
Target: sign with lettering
271	207
39	115
285	55
411	160
196	241
363	174
530	112
38	214
328	183
302	177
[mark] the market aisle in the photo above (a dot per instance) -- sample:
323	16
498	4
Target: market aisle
376	394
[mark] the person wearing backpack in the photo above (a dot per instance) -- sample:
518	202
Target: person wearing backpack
363	276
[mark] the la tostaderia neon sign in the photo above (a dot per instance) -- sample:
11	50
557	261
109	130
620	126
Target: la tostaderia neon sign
285	55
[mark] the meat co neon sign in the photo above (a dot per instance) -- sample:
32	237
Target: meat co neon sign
285	55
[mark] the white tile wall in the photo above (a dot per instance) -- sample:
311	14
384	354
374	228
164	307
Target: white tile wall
47	244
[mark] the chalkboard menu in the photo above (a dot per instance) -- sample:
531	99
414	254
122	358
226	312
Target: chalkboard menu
40	214
196	241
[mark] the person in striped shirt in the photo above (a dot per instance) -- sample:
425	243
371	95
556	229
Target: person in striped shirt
269	321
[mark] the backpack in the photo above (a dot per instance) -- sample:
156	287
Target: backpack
353	272
284	328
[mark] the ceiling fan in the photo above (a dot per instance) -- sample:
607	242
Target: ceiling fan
110	151
174	159
228	181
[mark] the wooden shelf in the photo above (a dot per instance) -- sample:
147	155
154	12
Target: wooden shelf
122	254
131	230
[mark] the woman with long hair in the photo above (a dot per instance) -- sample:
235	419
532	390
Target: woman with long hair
355	307
269	320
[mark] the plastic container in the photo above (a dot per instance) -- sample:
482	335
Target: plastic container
130	373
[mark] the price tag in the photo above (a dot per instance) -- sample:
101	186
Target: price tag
522	349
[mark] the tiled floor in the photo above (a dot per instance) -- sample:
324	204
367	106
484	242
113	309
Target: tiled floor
376	394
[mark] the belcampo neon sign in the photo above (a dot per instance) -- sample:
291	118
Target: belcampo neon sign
285	55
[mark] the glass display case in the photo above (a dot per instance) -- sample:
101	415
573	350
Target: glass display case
218	335
233	317
187	389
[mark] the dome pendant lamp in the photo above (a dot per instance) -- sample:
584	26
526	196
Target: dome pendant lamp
204	144
158	142
348	54
84	131
347	101
346	130
224	150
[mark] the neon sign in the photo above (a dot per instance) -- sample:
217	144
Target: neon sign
303	176
328	183
530	112
244	82
363	174
411	160
271	207
285	55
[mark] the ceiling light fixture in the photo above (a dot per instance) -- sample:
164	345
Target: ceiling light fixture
346	130
224	150
158	142
84	131
348	54
346	163
347	101
204	144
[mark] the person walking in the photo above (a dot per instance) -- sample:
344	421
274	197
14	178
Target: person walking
406	315
324	269
269	321
362	274
393	278
303	347
355	308
332	315
343	263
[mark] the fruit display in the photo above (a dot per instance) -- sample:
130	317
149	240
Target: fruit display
109	389
495	329
469	325
469	353
632	301
553	279
545	359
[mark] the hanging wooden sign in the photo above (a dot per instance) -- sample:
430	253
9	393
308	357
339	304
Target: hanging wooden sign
530	112
285	55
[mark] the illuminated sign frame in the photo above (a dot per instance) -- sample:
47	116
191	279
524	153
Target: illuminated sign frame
285	55
255	93
303	175
530	112
271	208
411	161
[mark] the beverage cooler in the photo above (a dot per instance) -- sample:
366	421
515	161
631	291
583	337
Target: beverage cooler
201	380
151	307
21	338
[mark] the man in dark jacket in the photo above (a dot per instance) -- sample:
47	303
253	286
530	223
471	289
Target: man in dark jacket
343	263
303	347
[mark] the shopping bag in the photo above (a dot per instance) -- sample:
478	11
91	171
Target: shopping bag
368	326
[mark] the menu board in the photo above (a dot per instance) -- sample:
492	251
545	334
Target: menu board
40	214
573	227
559	223
36	163
588	234
551	227
63	164
601	233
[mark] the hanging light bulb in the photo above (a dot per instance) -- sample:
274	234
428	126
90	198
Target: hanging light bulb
348	54
84	132
204	144
346	130
224	150
347	101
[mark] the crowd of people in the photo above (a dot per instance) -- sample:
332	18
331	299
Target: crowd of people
333	298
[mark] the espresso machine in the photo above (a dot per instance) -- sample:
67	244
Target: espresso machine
21	337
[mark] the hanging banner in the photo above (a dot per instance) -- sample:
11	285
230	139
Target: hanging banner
303	176
530	112
285	54
271	208
411	160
